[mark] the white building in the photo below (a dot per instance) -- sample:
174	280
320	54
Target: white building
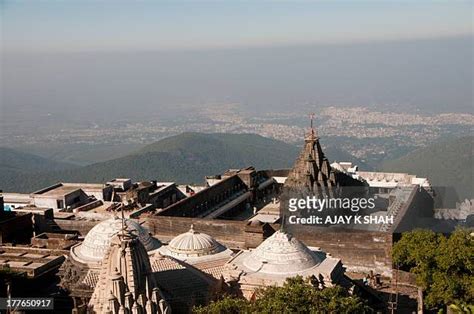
279	257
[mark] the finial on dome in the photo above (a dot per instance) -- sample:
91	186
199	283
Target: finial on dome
191	230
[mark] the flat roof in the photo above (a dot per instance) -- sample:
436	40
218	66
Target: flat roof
16	198
56	190
85	186
63	215
34	262
266	218
30	209
120	180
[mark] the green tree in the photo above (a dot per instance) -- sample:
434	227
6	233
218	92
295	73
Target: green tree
295	296
228	305
443	266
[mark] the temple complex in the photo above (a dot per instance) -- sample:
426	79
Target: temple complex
178	246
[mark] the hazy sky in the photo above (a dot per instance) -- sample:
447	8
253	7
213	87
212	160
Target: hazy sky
147	25
104	59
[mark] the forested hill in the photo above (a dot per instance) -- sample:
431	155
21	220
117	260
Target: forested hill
448	163
19	168
189	157
13	160
184	158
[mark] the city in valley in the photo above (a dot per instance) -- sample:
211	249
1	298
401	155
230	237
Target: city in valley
370	134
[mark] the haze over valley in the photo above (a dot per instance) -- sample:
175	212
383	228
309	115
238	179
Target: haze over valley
376	100
83	97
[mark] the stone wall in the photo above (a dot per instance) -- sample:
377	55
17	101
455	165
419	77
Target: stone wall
360	251
203	201
71	225
55	241
419	205
229	233
16	228
404	277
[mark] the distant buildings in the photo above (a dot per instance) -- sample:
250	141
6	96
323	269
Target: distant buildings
382	182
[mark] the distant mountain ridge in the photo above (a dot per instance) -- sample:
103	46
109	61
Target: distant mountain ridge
448	163
188	157
16	167
14	160
184	158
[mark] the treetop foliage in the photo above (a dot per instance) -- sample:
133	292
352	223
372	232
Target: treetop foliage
295	296
443	265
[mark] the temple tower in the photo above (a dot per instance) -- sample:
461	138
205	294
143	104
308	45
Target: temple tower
312	171
126	283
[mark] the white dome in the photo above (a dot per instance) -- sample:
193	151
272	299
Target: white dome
281	254
97	241
193	244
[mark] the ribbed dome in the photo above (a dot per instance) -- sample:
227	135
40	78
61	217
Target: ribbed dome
97	241
193	244
281	254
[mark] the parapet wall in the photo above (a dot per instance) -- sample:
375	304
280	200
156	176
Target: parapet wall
229	233
360	251
80	226
16	228
202	201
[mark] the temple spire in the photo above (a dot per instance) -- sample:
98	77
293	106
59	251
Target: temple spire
311	170
126	283
312	134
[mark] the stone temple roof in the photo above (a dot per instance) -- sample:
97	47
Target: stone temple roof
193	245
280	257
97	241
312	171
281	254
126	283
